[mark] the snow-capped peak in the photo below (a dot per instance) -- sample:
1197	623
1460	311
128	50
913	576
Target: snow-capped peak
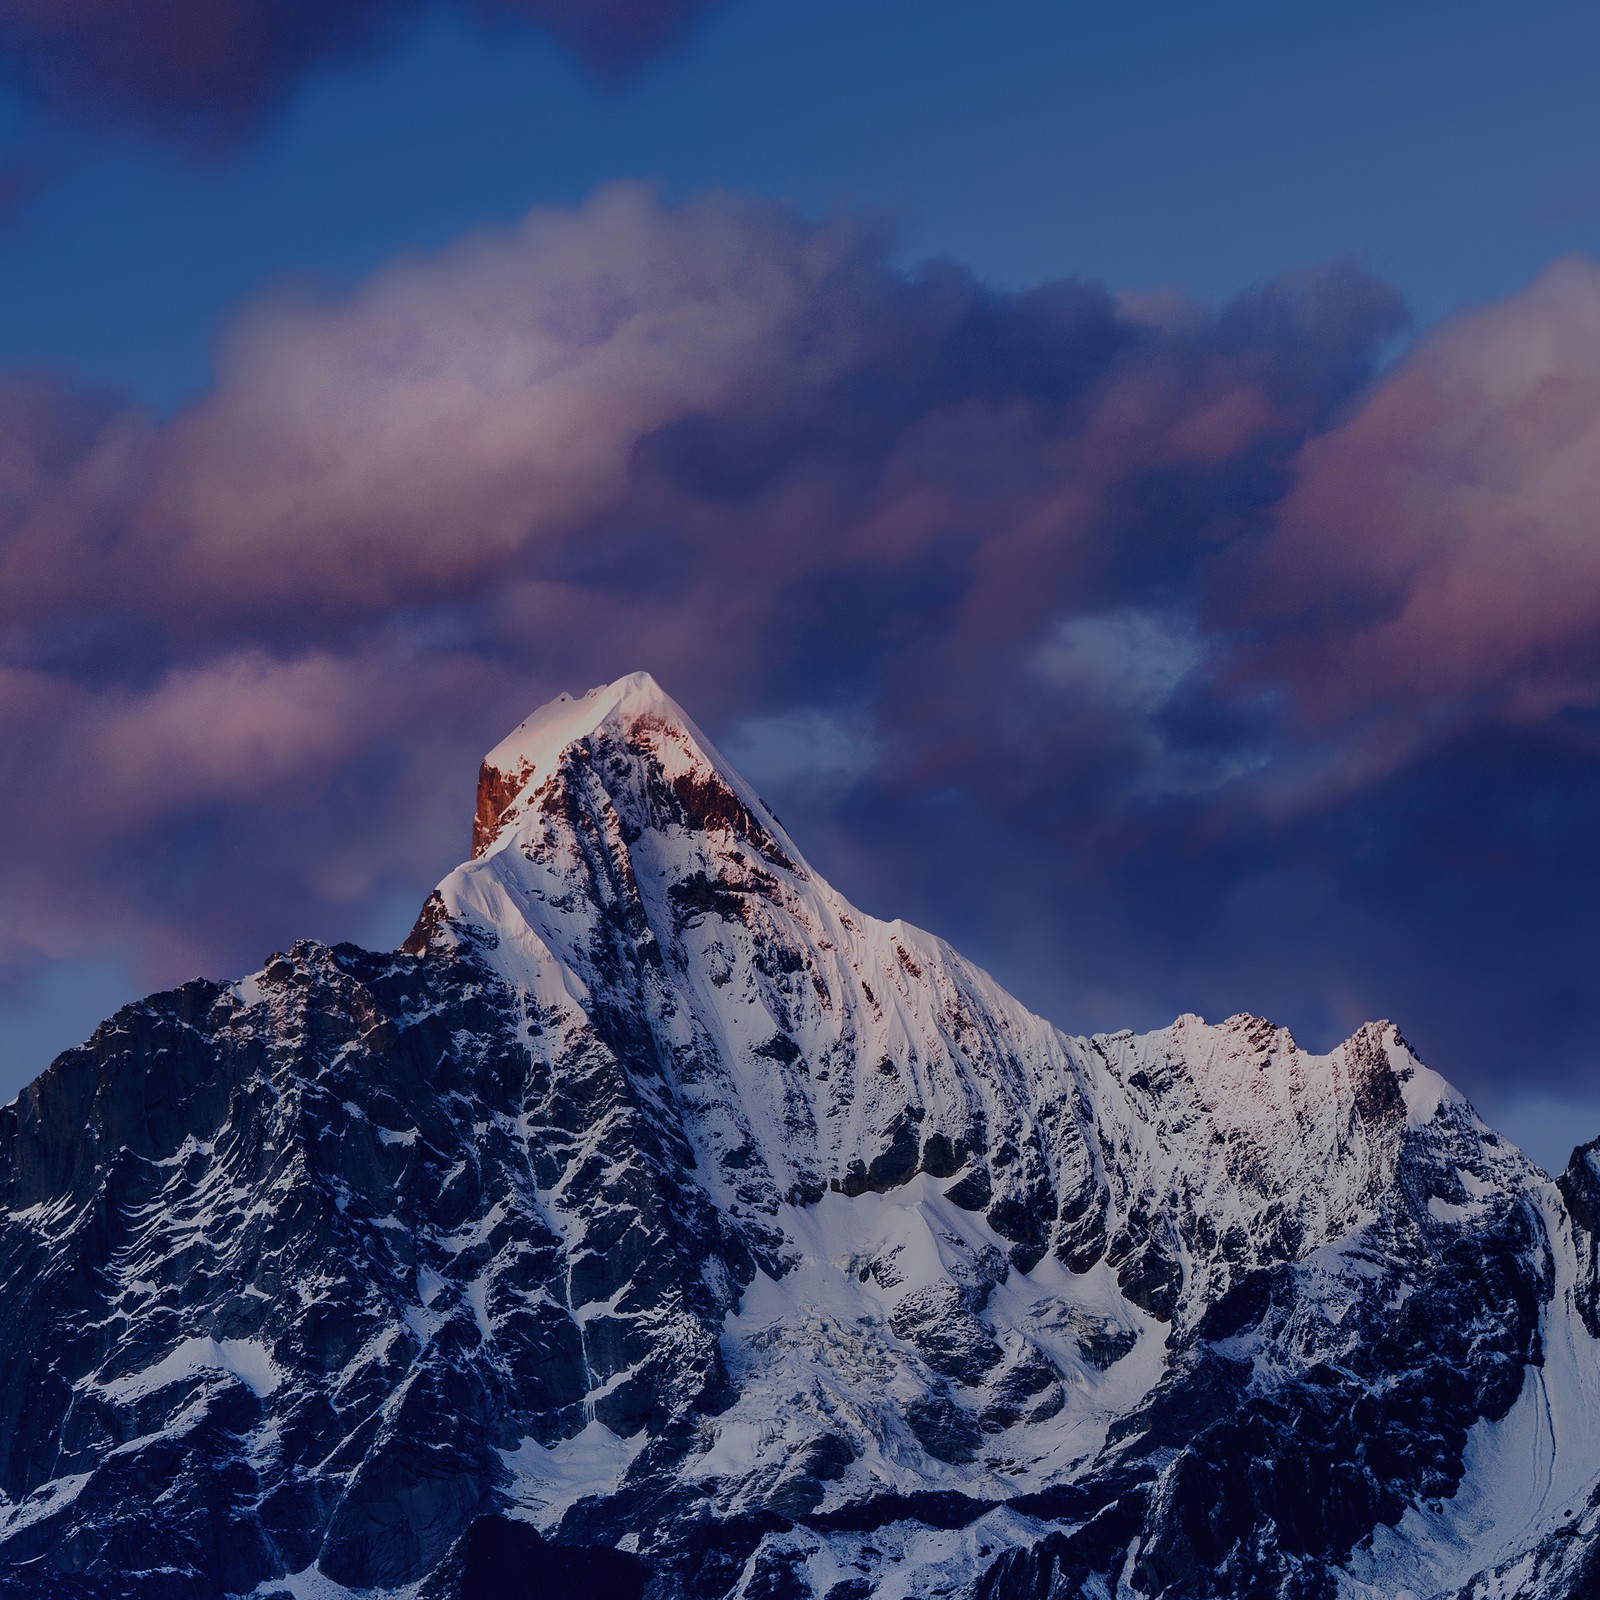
619	854
661	1214
540	739
533	751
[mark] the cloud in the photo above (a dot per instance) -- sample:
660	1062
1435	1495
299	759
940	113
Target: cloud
1437	559
238	727
634	394
208	72
1126	662
1114	640
810	753
463	412
742	447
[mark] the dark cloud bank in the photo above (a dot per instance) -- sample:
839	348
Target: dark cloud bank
1163	658
208	71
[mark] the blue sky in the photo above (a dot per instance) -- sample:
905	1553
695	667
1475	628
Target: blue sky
1210	537
1451	148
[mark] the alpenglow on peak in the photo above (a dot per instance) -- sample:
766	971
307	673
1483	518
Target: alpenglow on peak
534	749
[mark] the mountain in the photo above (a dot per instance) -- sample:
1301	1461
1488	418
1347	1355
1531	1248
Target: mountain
656	1226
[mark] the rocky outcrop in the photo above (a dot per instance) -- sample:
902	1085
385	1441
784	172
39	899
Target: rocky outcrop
496	791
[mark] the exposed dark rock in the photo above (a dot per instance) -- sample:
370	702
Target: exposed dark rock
501	1560
945	1333
943	1428
972	1191
1580	1188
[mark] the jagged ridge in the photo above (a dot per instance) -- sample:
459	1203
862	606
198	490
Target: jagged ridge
655	1207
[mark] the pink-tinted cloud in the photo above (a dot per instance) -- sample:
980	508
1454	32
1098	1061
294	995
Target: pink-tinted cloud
462	413
925	525
744	399
1438	557
159	822
238	727
72	466
208	71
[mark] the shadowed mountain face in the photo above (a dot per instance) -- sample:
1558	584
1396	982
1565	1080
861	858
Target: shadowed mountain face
657	1226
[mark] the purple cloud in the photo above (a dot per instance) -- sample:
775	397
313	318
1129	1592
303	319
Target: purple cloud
740	446
1435	561
1059	621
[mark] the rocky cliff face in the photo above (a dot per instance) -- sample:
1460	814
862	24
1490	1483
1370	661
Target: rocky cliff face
656	1224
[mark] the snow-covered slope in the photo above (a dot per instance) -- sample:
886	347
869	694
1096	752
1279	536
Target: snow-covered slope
656	1222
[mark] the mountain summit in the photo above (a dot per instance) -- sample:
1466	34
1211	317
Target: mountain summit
656	1224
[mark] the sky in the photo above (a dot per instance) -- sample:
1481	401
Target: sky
1120	479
